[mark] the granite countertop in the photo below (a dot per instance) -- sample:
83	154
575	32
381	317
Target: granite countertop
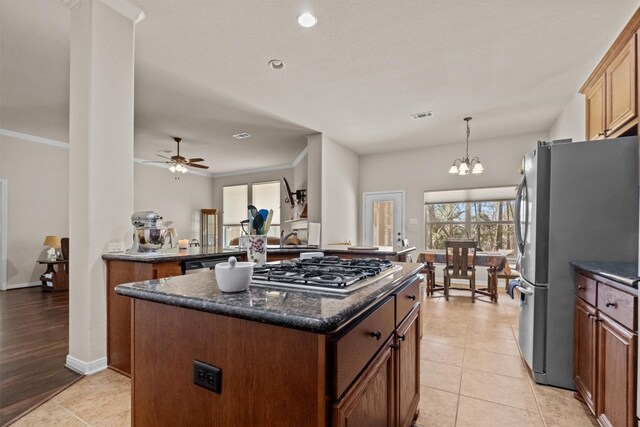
292	308
622	272
193	253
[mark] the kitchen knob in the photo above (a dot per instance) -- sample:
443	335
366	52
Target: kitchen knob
582	288
377	335
401	337
413	297
601	134
610	304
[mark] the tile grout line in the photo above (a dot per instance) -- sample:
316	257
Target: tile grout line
71	413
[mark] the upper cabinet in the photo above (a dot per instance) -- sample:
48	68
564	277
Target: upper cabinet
620	90
611	92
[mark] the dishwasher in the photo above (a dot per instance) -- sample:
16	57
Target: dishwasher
201	265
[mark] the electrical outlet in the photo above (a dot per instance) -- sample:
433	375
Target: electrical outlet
207	376
115	247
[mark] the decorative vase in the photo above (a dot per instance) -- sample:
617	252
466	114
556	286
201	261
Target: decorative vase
257	249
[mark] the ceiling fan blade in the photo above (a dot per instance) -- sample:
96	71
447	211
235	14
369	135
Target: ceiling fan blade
164	157
178	158
194	165
195	160
157	161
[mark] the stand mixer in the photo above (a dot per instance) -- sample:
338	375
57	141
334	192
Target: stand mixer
149	232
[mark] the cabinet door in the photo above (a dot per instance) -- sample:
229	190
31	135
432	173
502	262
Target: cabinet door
370	401
620	77
594	97
408	373
616	393
584	352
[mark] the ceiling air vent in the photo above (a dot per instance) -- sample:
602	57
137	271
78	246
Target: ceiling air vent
242	135
424	115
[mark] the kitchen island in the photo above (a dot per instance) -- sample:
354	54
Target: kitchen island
127	267
275	356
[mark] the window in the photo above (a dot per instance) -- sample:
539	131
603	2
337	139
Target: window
489	221
236	198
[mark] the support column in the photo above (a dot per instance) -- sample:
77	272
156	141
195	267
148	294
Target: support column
100	164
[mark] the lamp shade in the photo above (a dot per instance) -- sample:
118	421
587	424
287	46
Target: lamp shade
52	241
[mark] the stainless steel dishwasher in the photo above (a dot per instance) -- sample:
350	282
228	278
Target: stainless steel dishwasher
201	265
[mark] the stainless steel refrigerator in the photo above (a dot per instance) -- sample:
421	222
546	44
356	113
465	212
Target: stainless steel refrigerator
577	201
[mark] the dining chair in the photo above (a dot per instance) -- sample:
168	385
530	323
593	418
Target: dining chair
460	264
508	274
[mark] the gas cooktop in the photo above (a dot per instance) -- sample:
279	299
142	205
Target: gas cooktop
326	274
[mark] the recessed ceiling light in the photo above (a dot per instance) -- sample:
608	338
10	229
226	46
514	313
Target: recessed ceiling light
307	20
242	135
424	115
276	64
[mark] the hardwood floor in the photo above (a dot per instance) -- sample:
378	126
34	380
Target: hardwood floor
34	337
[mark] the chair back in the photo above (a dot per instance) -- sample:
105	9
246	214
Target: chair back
457	256
64	248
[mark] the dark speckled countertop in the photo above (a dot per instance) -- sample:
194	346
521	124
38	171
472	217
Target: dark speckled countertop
306	310
622	272
193	253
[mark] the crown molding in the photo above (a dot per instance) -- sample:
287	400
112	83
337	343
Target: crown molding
33	138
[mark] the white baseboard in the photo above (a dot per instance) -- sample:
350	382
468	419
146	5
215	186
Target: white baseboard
86	368
23	285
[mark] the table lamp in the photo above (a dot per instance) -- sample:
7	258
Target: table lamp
54	243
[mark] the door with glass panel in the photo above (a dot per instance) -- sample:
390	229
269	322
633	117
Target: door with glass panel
383	214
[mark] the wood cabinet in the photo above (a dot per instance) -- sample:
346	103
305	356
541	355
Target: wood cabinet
585	351
616	384
620	90
370	402
605	349
119	307
408	369
595	107
397	382
611	91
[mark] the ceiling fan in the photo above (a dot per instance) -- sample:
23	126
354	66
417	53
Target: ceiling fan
179	163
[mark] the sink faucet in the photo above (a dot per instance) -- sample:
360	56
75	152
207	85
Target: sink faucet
284	238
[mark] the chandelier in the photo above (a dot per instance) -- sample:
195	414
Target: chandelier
463	165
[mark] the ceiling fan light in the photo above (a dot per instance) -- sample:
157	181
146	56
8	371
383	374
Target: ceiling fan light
477	168
172	168
453	169
184	170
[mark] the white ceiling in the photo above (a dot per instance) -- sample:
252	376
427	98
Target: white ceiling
202	74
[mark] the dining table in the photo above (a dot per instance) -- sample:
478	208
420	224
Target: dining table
494	261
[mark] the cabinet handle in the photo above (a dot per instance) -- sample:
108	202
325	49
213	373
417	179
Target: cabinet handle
610	304
591	316
582	288
601	134
377	335
402	337
413	297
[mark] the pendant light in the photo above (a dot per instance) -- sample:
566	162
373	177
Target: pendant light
463	166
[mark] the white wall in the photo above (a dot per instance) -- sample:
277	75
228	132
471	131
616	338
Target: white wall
38	203
417	171
314	178
340	194
177	200
571	123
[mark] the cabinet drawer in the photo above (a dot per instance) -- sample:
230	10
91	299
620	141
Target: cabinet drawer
406	299
618	305
356	348
586	289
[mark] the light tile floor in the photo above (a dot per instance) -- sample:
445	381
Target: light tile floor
471	375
